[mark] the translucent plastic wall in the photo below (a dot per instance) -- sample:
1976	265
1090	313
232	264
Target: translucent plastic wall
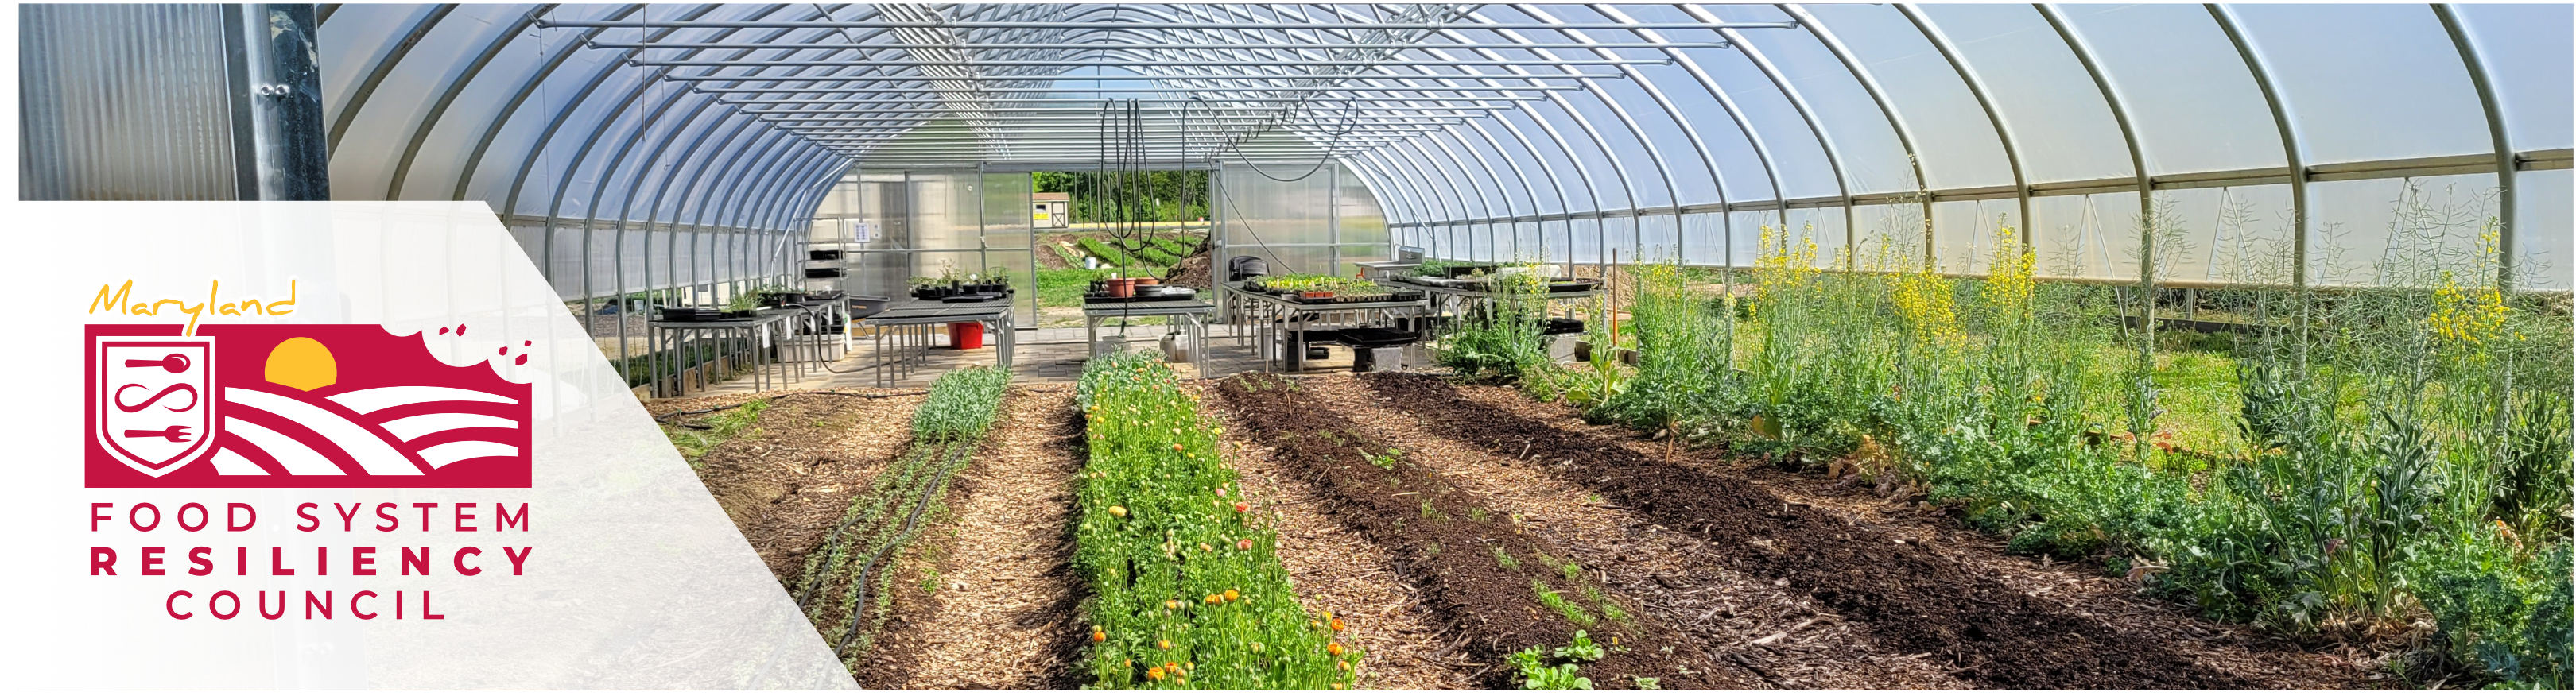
1301	218
124	102
614	179
2243	132
929	223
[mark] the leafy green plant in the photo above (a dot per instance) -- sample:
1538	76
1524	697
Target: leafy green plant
1187	588
1535	673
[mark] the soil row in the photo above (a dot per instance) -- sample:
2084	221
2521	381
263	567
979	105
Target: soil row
1911	600
1499	588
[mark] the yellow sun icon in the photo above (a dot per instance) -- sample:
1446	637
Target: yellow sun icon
303	363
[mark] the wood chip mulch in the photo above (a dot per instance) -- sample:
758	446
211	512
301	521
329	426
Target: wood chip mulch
1340	570
1004	614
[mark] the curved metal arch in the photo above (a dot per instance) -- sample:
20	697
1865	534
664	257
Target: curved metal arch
734	257
376	74
1815	129
1423	178
1699	146
1402	199
1408	148
670	258
1877	95
2505	166
530	88
1619	168
1462	179
769	236
2137	162
1563	147
2003	133
2291	153
420	129
719	207
1501	190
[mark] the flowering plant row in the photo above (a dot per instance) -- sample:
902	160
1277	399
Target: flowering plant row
1187	588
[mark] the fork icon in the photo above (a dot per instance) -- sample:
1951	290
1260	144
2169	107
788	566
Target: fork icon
175	433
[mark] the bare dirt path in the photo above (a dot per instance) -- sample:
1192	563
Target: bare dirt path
989	600
1954	606
1776	632
1338	570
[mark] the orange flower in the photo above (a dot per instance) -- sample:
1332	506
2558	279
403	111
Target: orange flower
1214	599
1231	595
1099	636
1334	648
1337	624
1162	644
1155	673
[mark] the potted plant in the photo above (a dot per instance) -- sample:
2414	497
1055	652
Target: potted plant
742	306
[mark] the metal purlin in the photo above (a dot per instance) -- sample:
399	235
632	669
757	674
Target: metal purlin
2003	133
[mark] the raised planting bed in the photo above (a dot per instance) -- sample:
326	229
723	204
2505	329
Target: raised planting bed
1512	597
846	584
1186	587
1912	598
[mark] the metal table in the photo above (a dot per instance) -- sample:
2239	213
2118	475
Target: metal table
907	324
1445	301
752	334
1273	316
1192	314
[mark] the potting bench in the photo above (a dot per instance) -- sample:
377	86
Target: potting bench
1274	317
737	343
1446	301
1191	316
909	326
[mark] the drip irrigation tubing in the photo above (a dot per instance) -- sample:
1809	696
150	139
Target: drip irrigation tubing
911	523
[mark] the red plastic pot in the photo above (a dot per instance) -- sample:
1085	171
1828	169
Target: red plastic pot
966	335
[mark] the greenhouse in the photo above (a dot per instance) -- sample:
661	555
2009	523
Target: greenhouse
1548	346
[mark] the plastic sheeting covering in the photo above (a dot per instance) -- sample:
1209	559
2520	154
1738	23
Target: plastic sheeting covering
2239	129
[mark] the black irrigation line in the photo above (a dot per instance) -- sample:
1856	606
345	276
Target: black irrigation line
960	454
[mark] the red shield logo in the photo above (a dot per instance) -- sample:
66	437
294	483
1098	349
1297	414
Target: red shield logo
305	406
158	412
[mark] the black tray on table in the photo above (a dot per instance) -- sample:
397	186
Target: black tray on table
1406	295
1182	294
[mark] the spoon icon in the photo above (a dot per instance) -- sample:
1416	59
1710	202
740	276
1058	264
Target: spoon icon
174	363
